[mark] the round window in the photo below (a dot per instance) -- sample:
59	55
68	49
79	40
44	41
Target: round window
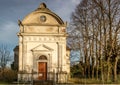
42	18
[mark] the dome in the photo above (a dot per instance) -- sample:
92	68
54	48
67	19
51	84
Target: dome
42	16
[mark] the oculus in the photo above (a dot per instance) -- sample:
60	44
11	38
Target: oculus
42	18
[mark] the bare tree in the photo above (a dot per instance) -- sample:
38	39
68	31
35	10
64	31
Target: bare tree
4	56
96	26
109	11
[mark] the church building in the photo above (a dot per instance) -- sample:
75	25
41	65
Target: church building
43	54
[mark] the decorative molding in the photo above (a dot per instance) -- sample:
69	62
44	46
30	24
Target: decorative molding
40	24
43	34
42	47
44	39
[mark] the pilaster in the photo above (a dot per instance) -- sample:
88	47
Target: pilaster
20	54
24	51
59	56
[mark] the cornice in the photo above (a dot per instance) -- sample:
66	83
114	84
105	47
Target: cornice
39	24
40	34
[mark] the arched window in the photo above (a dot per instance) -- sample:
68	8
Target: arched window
42	57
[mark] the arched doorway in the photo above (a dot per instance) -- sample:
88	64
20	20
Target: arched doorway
42	68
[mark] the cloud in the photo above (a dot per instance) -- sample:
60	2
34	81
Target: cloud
76	1
13	10
8	32
64	8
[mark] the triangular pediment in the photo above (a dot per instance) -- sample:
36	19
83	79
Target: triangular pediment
42	47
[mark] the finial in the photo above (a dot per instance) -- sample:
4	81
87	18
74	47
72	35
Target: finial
42	5
20	23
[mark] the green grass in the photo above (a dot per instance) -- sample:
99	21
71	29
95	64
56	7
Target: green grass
84	81
3	83
91	81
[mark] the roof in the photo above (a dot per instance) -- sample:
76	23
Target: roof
33	17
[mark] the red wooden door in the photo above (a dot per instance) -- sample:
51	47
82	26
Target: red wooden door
42	70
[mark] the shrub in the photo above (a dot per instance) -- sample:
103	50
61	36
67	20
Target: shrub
8	75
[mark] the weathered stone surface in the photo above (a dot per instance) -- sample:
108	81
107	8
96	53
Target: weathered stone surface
42	33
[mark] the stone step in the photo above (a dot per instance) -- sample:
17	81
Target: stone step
43	82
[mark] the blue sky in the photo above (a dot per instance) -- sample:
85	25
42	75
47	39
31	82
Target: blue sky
12	10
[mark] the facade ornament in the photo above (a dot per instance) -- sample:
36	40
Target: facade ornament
42	6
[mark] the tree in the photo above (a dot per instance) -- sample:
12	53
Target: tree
81	34
109	11
4	56
95	31
4	59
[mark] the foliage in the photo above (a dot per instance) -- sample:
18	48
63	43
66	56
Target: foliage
8	75
76	71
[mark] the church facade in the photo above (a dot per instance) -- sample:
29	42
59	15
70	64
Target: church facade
43	54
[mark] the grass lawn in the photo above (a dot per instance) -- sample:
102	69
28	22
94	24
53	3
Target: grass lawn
3	83
91	81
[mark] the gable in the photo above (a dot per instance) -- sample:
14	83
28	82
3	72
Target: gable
42	47
42	16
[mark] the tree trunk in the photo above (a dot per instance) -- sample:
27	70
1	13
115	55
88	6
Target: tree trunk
108	69
101	64
115	69
92	72
88	69
97	66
